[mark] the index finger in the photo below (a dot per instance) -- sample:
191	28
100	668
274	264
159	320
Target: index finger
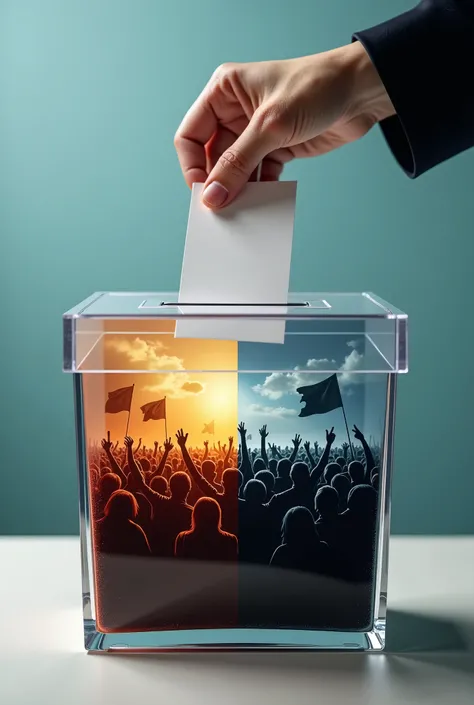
196	129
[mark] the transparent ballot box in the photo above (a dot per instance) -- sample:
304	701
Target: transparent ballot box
235	466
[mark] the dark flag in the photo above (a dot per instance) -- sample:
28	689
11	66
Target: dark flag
321	397
209	428
154	410
119	400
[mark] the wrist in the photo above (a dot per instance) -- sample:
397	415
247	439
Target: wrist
367	93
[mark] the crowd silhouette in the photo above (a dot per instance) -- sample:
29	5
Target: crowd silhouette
301	508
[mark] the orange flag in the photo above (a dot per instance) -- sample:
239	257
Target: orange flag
154	410
119	400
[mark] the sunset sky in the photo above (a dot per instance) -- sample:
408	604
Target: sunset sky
192	398
196	393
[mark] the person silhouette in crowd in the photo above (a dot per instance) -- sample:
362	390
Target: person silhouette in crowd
369	457
304	484
258	465
208	470
342	485
254	524
358	527
268	479
300	547
331	470
282	480
108	484
171	515
159	484
328	522
272	466
117	532
228	498
356	472
206	540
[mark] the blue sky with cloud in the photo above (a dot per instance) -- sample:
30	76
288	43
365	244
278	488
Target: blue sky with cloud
270	396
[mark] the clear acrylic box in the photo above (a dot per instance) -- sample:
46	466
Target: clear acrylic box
276	539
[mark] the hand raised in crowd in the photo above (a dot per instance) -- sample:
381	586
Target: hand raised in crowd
296	441
168	446
106	444
181	438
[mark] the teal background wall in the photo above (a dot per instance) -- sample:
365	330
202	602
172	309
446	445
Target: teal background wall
91	198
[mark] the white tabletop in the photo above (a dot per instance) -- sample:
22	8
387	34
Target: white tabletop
430	658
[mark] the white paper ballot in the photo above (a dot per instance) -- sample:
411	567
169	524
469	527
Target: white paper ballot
240	255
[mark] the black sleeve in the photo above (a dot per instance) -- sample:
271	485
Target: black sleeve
425	59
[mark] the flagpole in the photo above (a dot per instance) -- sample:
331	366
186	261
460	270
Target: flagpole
129	410
166	422
347	429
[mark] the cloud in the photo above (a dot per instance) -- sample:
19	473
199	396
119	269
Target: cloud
175	385
274	411
353	362
353	343
146	354
314	364
277	384
193	387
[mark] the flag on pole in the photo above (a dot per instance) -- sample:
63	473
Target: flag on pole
154	410
209	428
119	400
249	436
321	397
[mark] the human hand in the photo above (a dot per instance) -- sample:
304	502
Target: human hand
263	432
206	444
358	435
231	441
181	438
106	444
242	430
307	447
330	436
296	441
271	112
168	446
128	442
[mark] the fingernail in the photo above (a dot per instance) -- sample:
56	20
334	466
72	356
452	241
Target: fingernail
215	194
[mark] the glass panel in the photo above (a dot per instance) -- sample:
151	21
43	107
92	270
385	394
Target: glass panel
118	345
182	539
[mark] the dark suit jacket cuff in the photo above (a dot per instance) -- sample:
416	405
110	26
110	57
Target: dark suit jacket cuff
424	59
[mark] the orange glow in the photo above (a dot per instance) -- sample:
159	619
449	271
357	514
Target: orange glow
192	398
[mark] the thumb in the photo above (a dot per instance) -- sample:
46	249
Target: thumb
236	165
